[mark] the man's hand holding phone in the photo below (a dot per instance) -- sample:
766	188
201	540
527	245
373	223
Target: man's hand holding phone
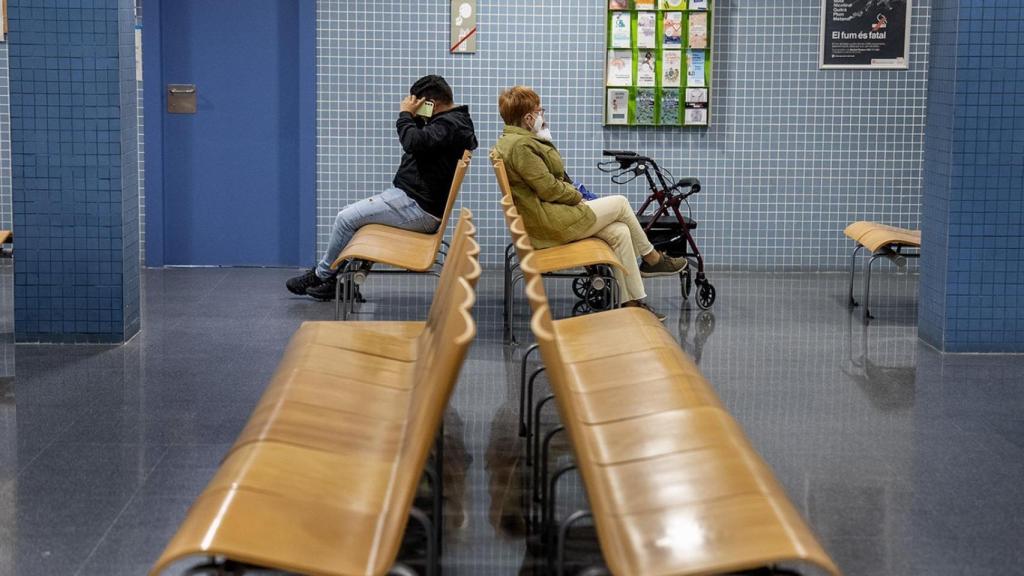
411	104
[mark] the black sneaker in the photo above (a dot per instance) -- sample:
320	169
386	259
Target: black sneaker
641	304
326	291
300	284
667	266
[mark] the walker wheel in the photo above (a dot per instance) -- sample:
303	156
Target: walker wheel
599	299
581	286
581	308
685	283
705	295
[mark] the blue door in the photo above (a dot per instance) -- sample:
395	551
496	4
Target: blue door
233	173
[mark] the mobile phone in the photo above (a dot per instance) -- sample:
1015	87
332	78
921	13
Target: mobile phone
426	109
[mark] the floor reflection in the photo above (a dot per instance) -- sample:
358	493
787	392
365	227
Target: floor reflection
903	460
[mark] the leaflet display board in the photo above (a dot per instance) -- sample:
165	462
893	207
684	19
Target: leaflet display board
658	63
864	34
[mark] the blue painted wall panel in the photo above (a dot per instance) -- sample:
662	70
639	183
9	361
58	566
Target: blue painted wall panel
972	270
69	168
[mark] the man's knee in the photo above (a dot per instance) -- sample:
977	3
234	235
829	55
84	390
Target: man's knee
622	204
343	220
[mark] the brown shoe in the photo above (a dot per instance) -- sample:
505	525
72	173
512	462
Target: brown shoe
641	304
667	266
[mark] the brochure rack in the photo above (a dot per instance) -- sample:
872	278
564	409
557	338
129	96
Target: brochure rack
658	63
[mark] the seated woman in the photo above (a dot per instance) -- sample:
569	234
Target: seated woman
553	209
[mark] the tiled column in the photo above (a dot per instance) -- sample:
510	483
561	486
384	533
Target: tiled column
74	167
972	264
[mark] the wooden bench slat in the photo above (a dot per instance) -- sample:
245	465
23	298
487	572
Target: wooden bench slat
322	477
405	249
713	537
336	392
674	486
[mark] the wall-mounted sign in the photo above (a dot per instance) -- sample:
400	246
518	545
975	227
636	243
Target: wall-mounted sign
864	34
463	27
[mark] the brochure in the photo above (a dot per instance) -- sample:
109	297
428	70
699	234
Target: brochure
673	30
645	69
646	29
618	106
671	68
699	30
698	4
620	68
645	106
618	4
696	95
695	68
696	117
622	35
645	4
673	4
670	106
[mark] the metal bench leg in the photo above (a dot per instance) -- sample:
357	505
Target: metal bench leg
516	279
507	286
551	502
563	533
432	560
522	390
867	285
400	569
545	453
536	444
853	269
529	414
337	297
439	488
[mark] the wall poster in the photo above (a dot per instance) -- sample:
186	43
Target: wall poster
864	34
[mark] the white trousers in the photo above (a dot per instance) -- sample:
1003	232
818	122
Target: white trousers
617	225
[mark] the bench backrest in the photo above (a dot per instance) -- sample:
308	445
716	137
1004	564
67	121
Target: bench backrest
501	175
455	265
461	167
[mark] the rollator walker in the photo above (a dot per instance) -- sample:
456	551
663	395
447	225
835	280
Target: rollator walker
666	227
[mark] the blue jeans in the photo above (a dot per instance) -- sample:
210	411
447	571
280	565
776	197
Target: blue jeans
392	207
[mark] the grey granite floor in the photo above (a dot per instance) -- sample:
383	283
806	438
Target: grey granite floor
904	461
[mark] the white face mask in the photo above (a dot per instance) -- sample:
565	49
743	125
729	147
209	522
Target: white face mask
540	128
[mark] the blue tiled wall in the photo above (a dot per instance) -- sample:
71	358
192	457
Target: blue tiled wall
792	156
72	282
5	142
972	267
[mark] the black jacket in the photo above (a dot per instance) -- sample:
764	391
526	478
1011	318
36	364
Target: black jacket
432	151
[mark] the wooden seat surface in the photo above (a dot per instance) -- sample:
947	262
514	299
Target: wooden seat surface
405	249
578	254
875	236
674	486
6	236
321	479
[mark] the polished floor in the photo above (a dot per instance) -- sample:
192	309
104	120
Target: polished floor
904	461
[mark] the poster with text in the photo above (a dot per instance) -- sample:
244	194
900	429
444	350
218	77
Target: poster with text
865	33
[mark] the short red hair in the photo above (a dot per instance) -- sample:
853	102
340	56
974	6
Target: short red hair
516	102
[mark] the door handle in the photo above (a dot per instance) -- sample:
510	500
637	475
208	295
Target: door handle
181	98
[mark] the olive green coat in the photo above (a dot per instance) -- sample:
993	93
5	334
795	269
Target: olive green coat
553	210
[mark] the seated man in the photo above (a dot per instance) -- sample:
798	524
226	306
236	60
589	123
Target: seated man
432	147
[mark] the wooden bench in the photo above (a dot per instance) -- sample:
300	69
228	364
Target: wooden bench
589	253
881	241
407	252
322	478
674	486
6	237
